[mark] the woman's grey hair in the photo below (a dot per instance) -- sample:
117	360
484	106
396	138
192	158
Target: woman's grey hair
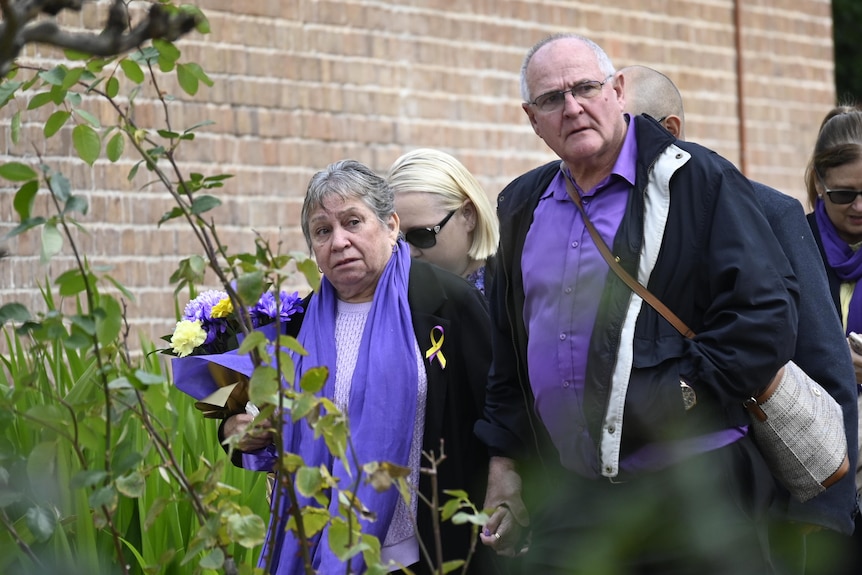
347	179
605	64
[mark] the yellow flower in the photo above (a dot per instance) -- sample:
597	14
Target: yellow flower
187	336
222	309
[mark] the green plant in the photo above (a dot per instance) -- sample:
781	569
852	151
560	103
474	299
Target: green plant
104	467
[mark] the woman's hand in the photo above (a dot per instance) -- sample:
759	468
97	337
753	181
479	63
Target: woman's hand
251	441
506	531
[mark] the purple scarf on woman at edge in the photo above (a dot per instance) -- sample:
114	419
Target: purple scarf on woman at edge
846	263
381	411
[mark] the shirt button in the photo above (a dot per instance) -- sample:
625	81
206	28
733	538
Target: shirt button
568	290
575	244
566	384
609	469
562	336
611	429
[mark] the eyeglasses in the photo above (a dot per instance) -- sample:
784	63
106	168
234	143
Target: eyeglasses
839	196
424	238
553	101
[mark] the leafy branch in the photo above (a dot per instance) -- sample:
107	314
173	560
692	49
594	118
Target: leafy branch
20	27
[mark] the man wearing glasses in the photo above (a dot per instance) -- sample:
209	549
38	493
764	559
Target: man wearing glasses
627	440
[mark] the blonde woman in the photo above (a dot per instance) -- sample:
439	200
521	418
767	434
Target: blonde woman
445	215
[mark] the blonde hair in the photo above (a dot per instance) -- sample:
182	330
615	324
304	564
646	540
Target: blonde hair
434	172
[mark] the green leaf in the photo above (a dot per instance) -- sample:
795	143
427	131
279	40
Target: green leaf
76	204
60	186
132	71
263	385
105	496
84	324
199	125
17	172
154	512
131	485
52	242
314	519
115	146
308	481
71	282
55	121
174	213
108	327
87	143
187	79
88	478
147	378
308	268
72	76
249	287
167	50
199	73
247	530
54	76
7	90
112	88
58	94
15	312
202	25
213	560
25	225
450	566
41	523
313	379
89	118
74	55
205	203
16	127
39	100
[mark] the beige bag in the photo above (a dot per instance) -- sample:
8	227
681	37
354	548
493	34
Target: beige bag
799	429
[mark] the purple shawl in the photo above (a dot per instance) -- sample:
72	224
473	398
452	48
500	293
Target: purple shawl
844	261
381	411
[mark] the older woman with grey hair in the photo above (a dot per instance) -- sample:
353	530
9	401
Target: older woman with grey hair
407	347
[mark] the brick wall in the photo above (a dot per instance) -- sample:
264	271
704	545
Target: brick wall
301	83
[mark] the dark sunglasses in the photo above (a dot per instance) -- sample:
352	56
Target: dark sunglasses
839	196
424	238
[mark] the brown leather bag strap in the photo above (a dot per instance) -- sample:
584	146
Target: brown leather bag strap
614	264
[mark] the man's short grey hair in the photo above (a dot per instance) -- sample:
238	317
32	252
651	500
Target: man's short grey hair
347	179
605	64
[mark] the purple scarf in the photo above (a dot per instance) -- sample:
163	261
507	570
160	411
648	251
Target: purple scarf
845	262
381	411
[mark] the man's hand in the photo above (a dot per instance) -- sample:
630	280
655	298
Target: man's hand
856	356
506	531
253	441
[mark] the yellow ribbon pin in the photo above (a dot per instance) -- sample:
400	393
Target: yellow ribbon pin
436	345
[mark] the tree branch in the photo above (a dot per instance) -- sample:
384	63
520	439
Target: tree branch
18	29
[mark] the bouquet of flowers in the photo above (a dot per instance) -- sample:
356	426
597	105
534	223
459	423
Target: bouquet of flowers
209	324
204	342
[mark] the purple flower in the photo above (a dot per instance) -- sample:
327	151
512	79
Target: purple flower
264	311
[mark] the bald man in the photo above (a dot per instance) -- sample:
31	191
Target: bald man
821	349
